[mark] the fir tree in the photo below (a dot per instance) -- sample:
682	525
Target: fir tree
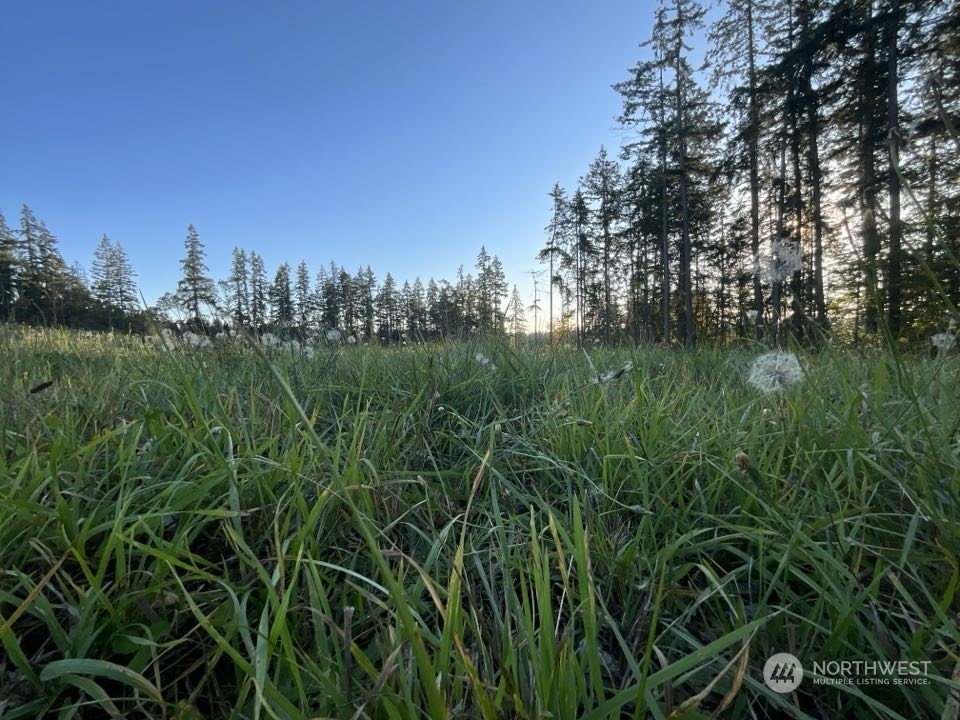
195	288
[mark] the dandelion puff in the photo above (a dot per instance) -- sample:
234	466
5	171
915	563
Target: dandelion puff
782	262
484	361
352	339
269	339
944	341
774	372
751	315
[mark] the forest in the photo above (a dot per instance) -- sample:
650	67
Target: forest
797	179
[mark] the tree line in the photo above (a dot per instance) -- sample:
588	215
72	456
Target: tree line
798	179
37	287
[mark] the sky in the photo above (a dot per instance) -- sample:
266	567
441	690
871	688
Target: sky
402	135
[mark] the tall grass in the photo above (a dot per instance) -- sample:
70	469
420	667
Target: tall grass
400	533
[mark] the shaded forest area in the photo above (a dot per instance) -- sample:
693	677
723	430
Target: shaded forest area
803	180
798	179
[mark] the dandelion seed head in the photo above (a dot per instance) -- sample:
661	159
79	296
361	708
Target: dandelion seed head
782	262
751	315
774	372
944	341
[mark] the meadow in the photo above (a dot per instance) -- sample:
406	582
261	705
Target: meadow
470	530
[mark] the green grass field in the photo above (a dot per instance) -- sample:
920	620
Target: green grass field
229	532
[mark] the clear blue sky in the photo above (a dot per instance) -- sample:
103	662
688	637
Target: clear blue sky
399	134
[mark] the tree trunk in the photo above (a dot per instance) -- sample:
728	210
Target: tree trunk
894	259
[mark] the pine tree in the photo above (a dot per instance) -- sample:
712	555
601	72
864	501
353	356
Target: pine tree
236	289
603	185
303	299
365	283
332	299
113	286
553	253
195	288
388	311
516	317
258	292
281	301
9	266
417	319
42	281
735	56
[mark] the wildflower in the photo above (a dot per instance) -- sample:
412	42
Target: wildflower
269	339
333	335
774	372
784	260
944	341
752	315
352	339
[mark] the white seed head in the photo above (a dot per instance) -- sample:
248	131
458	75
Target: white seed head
782	262
944	341
774	372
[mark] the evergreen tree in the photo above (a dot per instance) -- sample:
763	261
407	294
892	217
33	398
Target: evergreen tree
516	317
43	280
332	299
113	287
9	266
417	319
237	288
388	311
365	283
735	55
281	300
303	299
603	186
557	240
258	292
195	288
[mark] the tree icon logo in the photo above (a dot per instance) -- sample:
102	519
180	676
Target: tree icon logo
782	672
